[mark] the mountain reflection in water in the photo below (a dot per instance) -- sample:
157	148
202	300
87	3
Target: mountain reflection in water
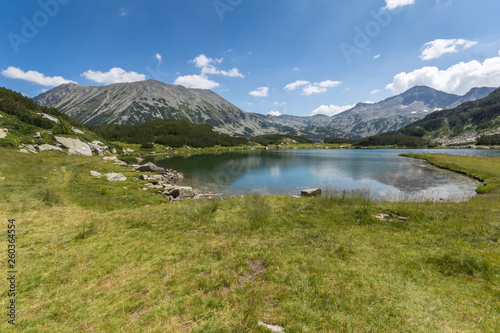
387	175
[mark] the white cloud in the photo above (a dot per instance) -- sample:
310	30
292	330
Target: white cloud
439	47
376	56
34	77
274	113
393	4
374	91
309	88
260	92
114	75
279	104
204	61
207	66
158	57
331	110
296	84
457	79
296	69
123	12
196	81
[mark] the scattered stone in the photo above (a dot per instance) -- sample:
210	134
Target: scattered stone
314	192
388	217
113	150
128	150
75	146
3	132
115	177
24	151
144	177
272	328
383	217
77	131
148	167
140	160
37	135
95	174
2	178
30	148
49	117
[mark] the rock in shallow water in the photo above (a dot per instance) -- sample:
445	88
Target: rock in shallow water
313	192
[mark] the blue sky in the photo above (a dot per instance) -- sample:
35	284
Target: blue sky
298	57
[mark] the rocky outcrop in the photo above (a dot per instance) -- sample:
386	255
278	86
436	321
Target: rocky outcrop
77	131
49	117
463	138
75	146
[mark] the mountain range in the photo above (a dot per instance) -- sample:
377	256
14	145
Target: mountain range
137	102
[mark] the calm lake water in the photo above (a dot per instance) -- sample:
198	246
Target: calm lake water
385	174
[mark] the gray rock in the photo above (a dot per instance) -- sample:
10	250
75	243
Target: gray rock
47	147
30	148
115	177
98	147
95	174
3	132
2	178
144	177
272	328
49	117
77	131
180	192
149	167
75	146
37	135
314	192
24	151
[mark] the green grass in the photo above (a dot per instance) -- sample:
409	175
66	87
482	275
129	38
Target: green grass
95	257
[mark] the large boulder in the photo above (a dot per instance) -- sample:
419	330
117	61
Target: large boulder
75	146
98	147
180	192
151	167
3	132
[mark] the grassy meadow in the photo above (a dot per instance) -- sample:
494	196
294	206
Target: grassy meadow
97	256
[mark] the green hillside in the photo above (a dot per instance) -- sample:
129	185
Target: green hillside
480	115
26	123
474	122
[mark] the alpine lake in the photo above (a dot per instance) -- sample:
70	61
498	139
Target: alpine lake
380	173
